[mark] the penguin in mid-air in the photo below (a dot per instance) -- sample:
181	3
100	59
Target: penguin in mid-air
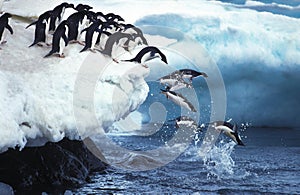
188	122
60	39
190	74
4	24
174	82
146	54
178	99
228	129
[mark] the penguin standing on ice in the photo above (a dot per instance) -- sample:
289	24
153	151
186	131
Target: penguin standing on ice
178	99
60	39
135	32
4	23
57	15
113	42
92	33
42	26
228	129
82	7
146	54
77	22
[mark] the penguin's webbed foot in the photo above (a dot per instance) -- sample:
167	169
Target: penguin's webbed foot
81	43
93	50
61	55
40	44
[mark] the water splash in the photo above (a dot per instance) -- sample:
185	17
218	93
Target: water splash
218	161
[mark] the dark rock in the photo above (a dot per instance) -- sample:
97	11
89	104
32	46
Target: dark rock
63	164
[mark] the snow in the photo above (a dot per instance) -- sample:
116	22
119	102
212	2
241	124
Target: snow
258	54
40	91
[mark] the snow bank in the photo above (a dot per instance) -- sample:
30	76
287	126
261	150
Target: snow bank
39	91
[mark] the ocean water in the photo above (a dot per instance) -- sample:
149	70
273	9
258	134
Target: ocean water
269	163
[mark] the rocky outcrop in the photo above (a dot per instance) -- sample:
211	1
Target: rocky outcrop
63	164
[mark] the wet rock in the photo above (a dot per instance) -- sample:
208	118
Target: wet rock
65	164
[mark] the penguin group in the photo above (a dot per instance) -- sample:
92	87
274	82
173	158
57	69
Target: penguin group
227	128
95	31
183	78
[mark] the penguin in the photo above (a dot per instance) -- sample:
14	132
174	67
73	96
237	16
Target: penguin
92	33
135	32
4	23
190	74
82	7
174	82
41	28
60	39
187	121
228	129
178	99
57	15
146	54
113	17
77	22
113	41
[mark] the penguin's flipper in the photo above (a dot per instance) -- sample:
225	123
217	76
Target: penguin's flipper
131	60
236	135
84	49
33	23
49	54
84	30
10	29
106	33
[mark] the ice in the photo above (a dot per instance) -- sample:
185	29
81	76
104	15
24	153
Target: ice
39	91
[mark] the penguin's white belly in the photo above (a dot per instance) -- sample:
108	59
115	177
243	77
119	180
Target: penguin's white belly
94	39
179	101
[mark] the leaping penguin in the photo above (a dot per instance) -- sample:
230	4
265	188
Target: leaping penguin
4	23
190	74
146	54
174	82
187	121
229	130
178	99
60	39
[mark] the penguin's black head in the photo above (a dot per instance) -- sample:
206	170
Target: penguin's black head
68	5
164	59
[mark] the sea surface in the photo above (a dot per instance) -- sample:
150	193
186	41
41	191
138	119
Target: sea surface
269	163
